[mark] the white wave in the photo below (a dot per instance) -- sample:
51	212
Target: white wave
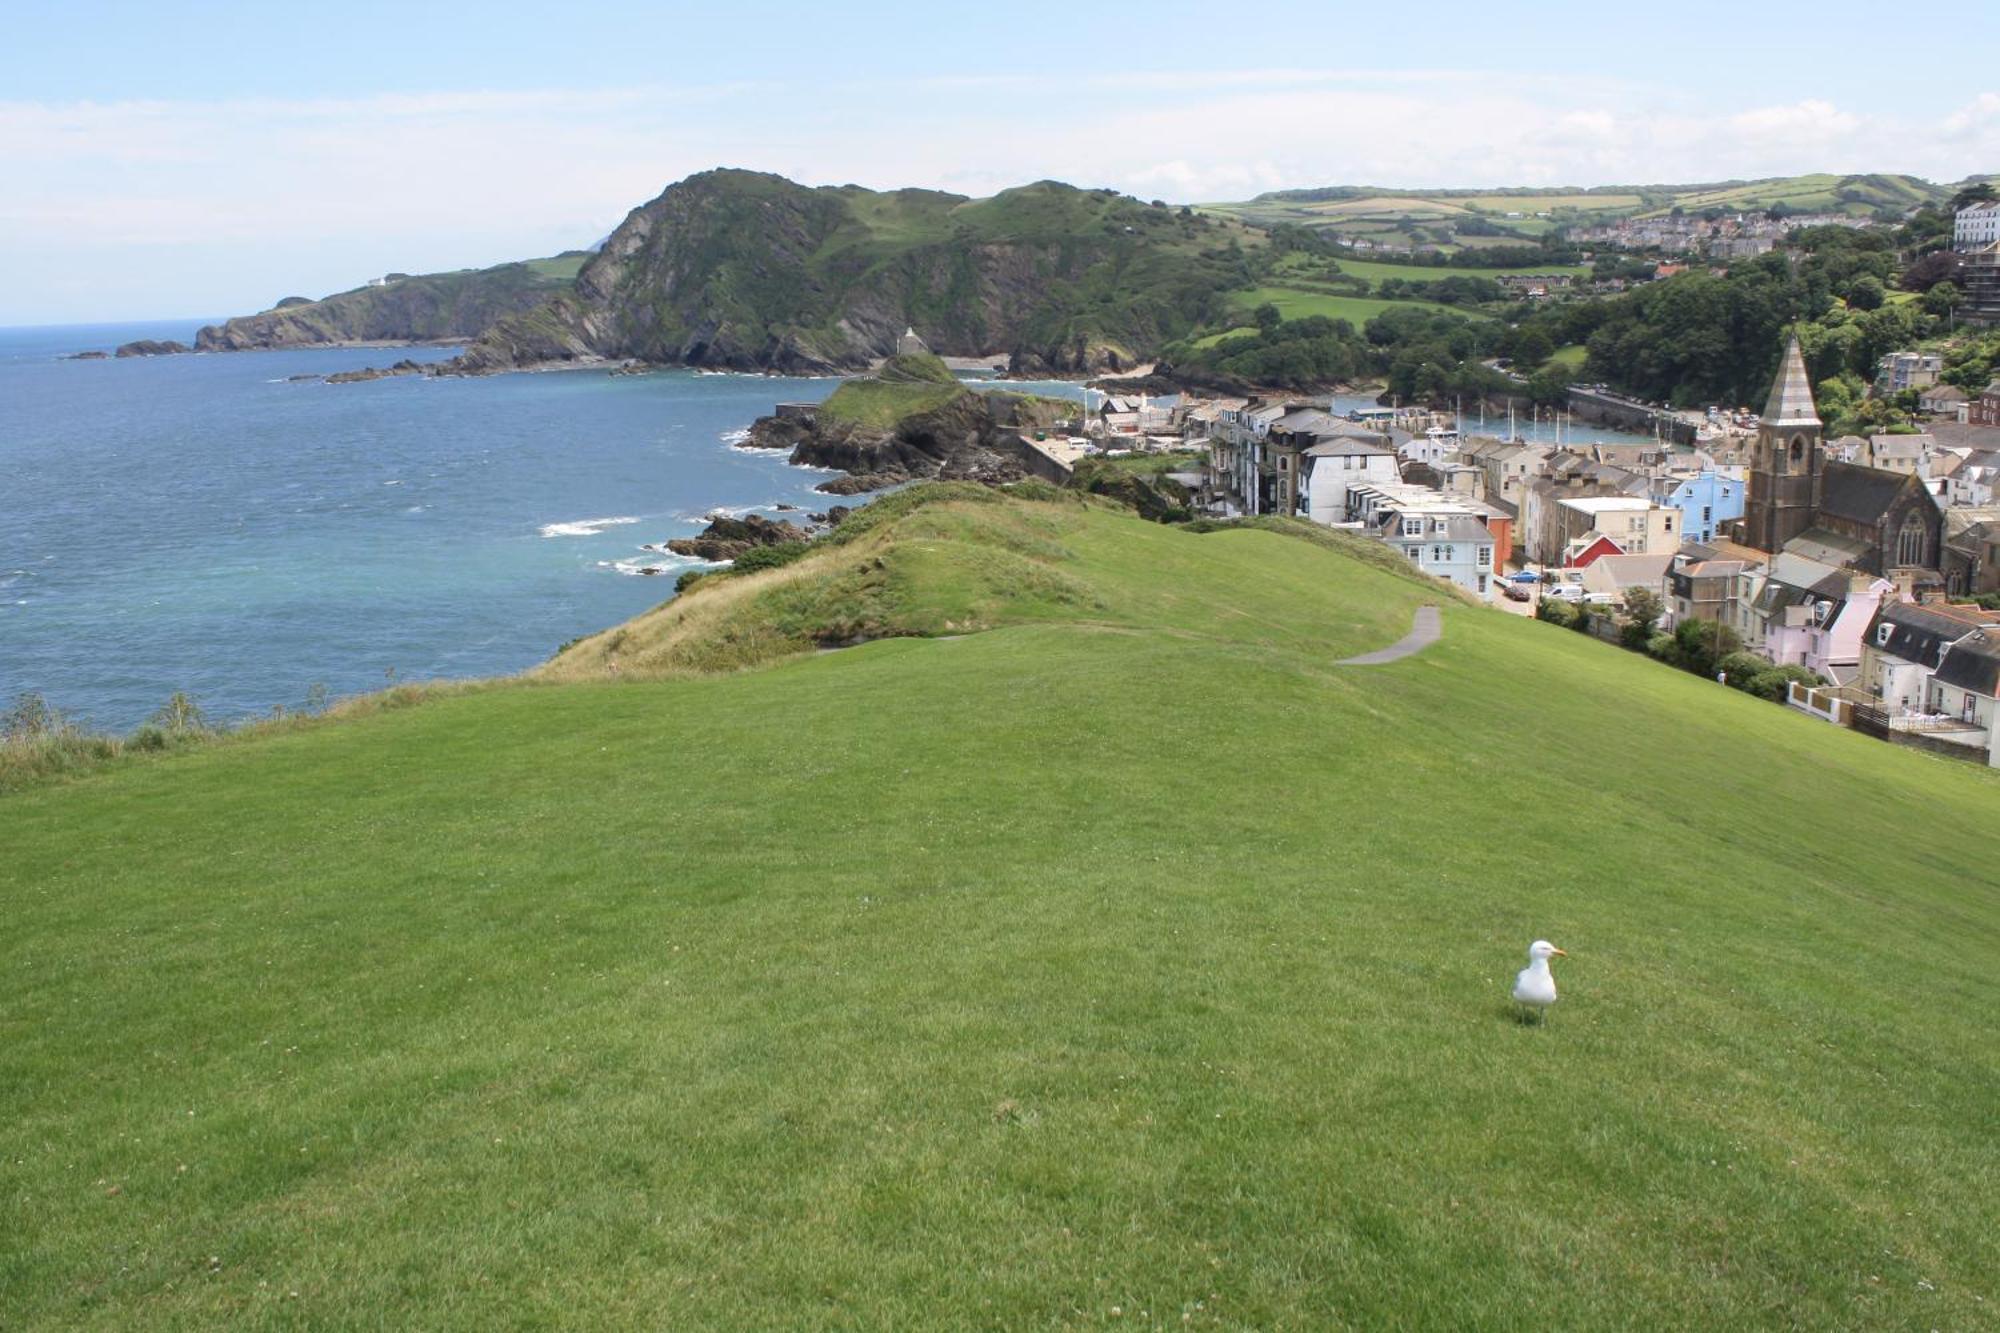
584	527
736	436
664	563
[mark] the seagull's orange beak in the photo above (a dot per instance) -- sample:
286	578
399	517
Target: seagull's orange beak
1560	953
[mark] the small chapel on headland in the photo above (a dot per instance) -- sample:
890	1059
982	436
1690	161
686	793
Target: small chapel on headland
1864	518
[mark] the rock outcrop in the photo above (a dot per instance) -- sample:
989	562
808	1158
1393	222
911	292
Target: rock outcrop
910	421
153	347
726	538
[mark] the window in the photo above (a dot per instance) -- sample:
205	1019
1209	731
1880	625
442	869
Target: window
1482	583
1412	551
1882	633
1911	541
1413	527
1707	513
1440	554
1485	555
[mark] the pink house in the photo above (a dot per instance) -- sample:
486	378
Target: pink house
1815	615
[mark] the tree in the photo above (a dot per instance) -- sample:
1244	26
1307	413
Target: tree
1703	643
1266	318
1982	193
1942	299
1866	292
1643	609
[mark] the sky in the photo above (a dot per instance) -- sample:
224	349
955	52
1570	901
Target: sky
159	161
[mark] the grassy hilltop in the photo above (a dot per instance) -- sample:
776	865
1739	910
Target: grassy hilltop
1119	961
1523	215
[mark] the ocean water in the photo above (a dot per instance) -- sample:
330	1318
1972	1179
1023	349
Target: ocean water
206	523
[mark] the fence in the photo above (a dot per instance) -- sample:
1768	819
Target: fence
1822	704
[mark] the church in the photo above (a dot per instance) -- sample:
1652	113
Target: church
1799	500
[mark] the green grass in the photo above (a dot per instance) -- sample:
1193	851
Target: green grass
1570	357
881	404
1299	303
1126	962
1376	272
560	268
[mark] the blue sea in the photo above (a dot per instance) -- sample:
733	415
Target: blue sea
206	523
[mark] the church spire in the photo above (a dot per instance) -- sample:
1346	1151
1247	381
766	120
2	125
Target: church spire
1791	402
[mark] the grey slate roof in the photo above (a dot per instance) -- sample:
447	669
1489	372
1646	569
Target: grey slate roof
1973	663
1859	493
1344	446
1791	401
1916	633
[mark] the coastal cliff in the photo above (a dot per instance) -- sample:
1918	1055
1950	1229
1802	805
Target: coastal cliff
429	307
911	421
747	271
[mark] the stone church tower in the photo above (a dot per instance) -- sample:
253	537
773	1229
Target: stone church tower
1784	490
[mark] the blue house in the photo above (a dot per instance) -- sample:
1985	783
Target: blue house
1706	501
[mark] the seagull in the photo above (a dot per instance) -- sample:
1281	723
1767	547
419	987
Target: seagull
1536	985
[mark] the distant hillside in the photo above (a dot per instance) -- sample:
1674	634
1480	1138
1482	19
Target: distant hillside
1526	213
430	307
747	270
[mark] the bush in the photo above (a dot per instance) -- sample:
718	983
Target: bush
179	716
775	556
1665	647
1740	667
1773	682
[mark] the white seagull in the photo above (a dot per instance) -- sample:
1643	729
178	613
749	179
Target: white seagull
1535	986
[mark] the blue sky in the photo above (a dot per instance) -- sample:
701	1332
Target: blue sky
210	158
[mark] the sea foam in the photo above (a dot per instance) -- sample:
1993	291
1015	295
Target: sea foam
586	527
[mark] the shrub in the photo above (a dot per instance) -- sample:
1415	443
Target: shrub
688	578
774	556
180	715
1772	682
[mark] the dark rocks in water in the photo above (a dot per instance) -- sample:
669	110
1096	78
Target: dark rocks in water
298	379
403	367
88	356
153	347
785	508
726	538
859	484
911	421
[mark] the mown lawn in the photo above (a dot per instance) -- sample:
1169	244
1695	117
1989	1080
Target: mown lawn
1135	966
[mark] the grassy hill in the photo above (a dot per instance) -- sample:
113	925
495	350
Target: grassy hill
746	269
1127	962
1488	217
426	307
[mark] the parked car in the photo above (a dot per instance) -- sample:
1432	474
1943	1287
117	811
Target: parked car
1515	592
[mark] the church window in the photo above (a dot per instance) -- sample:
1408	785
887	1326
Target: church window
1910	542
1798	447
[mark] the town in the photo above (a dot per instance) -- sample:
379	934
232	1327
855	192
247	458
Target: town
1855	579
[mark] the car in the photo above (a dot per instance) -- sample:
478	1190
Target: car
1514	592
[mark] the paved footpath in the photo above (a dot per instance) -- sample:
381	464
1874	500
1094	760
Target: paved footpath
1424	631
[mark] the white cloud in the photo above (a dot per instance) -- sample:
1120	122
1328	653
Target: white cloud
195	205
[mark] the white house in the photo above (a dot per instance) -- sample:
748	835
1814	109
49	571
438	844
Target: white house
1976	226
1338	464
